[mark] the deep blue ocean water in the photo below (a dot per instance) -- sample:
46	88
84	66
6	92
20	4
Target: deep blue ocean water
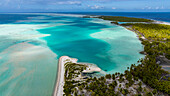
160	16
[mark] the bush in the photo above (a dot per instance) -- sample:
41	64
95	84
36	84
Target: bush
108	76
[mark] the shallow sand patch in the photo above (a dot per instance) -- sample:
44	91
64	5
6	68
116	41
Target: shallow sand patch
21	31
27	65
124	47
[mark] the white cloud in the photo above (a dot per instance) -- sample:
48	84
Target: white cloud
113	7
69	2
157	8
96	7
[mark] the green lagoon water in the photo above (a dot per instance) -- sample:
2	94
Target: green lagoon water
32	43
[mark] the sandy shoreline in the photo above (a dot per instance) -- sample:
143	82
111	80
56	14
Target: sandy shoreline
58	90
58	79
161	22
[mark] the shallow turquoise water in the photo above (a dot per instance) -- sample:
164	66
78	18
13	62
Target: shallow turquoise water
75	40
28	58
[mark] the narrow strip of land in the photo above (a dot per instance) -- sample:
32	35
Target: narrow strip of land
58	91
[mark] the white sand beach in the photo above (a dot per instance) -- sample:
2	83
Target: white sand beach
60	77
58	91
161	22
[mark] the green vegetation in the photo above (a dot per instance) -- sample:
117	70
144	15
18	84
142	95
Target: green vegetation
148	72
114	22
156	44
124	19
158	32
109	85
72	71
157	35
106	86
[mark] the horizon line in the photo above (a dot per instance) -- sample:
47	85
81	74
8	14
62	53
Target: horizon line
91	12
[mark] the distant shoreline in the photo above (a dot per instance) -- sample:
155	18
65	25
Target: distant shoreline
153	21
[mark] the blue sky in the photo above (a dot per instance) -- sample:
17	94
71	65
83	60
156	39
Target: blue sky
84	5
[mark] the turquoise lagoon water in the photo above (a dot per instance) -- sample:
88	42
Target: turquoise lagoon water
34	42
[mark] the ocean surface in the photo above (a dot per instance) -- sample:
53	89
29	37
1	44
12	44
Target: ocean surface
160	16
30	45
